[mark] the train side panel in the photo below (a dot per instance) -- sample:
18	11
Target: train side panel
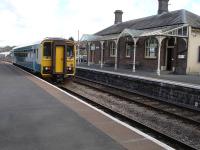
37	62
25	57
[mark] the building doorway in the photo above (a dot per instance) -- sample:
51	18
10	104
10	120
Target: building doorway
169	59
170	54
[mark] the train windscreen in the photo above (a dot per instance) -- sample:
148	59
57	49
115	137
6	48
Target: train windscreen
70	51
47	49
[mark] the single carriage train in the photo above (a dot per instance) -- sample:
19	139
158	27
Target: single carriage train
52	58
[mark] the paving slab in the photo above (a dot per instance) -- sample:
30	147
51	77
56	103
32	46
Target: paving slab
38	116
32	119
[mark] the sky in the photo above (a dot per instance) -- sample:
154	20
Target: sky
27	21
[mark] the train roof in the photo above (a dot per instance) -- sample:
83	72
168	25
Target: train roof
39	42
27	45
58	39
54	38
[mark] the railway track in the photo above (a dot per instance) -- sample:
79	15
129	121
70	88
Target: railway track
150	104
162	137
185	114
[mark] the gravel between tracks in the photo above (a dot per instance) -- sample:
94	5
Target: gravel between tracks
172	127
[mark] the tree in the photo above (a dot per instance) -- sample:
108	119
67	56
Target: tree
71	38
6	48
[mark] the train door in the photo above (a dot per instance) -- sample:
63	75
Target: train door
59	62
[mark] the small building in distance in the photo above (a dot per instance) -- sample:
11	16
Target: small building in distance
167	41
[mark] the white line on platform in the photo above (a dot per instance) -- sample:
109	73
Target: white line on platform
107	115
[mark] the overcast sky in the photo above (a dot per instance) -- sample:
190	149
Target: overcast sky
24	21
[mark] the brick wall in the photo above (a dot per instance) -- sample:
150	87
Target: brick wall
142	63
181	63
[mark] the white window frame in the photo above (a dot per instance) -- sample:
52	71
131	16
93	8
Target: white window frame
151	47
128	50
112	49
92	47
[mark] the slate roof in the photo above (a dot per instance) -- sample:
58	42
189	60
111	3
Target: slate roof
178	17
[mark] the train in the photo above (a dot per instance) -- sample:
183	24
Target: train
53	58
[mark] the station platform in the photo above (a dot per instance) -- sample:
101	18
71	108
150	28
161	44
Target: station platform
191	80
38	116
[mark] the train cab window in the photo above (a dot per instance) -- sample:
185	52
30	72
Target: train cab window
47	49
70	51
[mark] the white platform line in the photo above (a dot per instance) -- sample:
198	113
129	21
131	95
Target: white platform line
107	115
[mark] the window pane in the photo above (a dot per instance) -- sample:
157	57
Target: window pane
47	49
70	51
180	31
112	49
128	50
185	31
152	50
151	47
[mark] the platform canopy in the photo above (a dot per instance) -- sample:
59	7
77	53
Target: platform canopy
91	38
172	31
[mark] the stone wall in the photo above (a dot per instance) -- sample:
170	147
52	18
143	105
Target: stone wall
180	95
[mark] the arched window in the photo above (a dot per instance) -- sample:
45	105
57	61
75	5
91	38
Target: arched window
112	49
151	47
128	50
129	46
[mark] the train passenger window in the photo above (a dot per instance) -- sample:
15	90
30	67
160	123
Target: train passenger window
20	54
37	53
70	51
47	49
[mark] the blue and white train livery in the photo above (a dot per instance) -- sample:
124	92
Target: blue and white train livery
52	57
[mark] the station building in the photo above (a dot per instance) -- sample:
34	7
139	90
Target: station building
167	41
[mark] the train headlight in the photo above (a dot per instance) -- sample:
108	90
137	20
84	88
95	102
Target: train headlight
69	68
46	70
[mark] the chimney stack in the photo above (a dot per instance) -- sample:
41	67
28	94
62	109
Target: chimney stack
118	16
163	6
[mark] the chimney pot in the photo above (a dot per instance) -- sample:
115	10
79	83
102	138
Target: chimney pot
162	6
118	16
